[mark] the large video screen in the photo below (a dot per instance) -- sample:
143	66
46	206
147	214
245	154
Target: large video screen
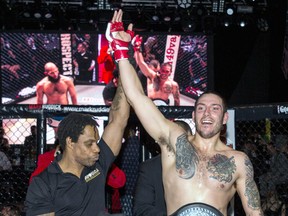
190	62
83	59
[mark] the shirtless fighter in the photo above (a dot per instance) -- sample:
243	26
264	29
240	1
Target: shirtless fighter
200	173
159	85
55	87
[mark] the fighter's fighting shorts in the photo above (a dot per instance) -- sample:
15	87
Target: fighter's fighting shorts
160	102
197	209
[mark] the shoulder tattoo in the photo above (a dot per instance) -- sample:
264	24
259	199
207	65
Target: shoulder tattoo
186	157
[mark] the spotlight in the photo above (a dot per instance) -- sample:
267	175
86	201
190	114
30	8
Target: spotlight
47	14
230	10
242	22
26	11
166	13
189	24
155	16
37	15
184	3
227	21
26	14
167	18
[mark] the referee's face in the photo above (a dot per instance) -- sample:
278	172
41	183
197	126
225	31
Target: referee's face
86	149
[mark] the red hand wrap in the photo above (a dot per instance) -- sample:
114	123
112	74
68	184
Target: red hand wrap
131	33
136	42
117	26
119	47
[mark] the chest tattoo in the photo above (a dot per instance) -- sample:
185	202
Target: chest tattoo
221	168
186	158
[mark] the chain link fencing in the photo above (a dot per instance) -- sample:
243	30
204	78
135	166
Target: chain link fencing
261	132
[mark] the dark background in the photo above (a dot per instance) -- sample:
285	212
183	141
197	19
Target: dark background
248	63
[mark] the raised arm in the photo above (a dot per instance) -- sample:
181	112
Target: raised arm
152	119
118	117
148	72
247	188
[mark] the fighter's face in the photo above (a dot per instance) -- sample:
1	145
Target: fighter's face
53	75
165	72
209	116
52	72
86	150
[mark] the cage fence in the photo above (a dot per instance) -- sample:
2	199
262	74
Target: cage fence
261	132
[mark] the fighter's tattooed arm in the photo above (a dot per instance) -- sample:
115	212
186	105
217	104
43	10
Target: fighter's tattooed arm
251	190
186	157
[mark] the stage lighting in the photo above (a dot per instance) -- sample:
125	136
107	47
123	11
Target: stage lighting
47	14
184	3
221	6
37	15
230	10
189	24
227	21
155	16
26	14
215	6
242	22
167	18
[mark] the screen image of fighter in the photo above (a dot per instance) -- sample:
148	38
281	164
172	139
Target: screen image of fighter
81	81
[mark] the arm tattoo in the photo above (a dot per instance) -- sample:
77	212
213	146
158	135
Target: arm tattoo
251	191
186	157
221	168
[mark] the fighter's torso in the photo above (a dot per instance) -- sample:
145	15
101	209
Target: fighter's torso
211	180
159	89
56	93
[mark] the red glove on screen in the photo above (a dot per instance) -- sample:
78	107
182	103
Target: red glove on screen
136	43
119	47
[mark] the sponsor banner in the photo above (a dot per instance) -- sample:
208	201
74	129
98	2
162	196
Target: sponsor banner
66	51
171	51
